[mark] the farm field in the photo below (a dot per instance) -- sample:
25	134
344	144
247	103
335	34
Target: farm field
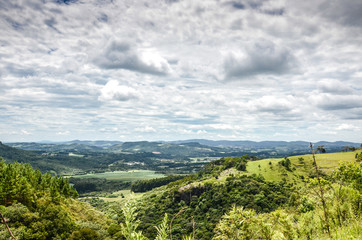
127	176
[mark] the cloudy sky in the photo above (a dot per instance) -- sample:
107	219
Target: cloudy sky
180	69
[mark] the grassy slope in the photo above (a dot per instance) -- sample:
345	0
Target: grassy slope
327	162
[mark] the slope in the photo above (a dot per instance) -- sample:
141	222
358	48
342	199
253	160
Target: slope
199	201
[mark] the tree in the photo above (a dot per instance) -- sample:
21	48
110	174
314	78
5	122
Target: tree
320	149
321	191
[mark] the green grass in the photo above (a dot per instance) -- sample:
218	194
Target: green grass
328	161
123	196
128	176
272	171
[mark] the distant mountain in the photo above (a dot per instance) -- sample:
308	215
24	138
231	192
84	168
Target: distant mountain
185	149
293	145
57	147
97	143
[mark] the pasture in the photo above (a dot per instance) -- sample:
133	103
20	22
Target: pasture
301	165
127	176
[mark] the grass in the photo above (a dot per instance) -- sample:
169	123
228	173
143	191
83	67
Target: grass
272	171
123	196
127	176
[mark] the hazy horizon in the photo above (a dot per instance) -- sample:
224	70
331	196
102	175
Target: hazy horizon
178	140
181	69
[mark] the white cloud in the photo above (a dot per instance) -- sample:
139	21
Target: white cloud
112	91
346	126
146	129
122	55
63	133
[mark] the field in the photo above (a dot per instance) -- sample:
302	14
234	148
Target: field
127	176
301	164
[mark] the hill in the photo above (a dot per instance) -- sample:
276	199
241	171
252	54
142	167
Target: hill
191	149
294	147
279	196
38	207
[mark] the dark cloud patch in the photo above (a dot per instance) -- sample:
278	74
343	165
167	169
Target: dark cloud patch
55	10
171	1
346	12
335	87
67	2
121	55
256	4
237	5
51	50
261	58
275	12
353	114
103	17
330	102
51	22
343	12
14	24
19	71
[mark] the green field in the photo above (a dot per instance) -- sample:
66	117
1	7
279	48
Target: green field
327	162
127	176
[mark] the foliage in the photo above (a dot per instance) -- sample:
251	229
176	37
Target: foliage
163	229
20	183
39	206
87	185
286	163
207	202
304	218
147	185
128	228
216	167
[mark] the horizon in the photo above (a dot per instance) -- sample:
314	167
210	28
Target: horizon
170	141
141	70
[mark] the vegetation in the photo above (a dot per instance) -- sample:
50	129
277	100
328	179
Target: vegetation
38	206
147	185
314	196
304	217
205	198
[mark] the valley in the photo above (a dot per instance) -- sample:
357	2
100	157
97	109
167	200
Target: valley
189	194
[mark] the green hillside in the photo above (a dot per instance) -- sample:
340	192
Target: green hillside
267	191
301	165
39	207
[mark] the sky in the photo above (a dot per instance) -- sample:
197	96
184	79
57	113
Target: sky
132	70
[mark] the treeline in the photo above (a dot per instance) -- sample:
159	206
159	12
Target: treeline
87	185
38	206
32	203
21	183
147	185
215	167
